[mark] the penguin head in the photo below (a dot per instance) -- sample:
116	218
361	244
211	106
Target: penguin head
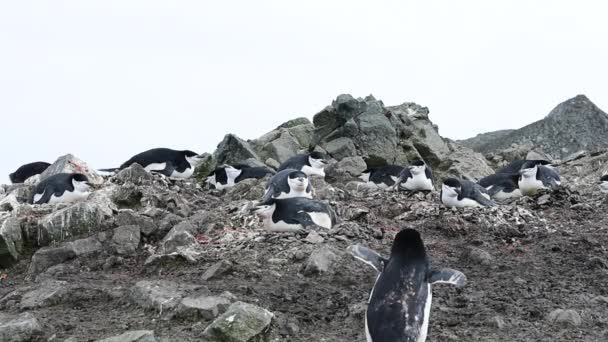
317	160
81	182
193	158
12	177
529	168
297	181
417	167
451	187
408	243
264	210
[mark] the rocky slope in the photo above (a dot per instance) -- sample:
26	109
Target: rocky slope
148	259
574	125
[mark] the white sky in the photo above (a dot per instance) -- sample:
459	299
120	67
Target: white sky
108	79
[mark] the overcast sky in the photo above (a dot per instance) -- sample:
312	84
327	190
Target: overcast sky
108	79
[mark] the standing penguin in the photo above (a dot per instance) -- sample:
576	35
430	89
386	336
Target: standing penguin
383	177
416	177
295	214
287	184
312	164
604	184
171	163
534	177
501	186
228	175
61	188
399	304
28	170
464	193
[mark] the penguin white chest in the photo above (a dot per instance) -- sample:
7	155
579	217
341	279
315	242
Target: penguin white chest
294	193
418	182
321	219
69	196
313	171
280	226
503	195
604	187
530	185
155	167
181	175
452	201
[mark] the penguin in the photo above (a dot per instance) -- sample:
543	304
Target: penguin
416	177
228	175
28	170
534	177
295	214
171	163
515	166
399	304
464	193
287	184
604	184
501	186
61	188
312	164
383	177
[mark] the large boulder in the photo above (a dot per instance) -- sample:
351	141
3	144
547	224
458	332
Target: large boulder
233	150
11	241
71	164
288	139
20	328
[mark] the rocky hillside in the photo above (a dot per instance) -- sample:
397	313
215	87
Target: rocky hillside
574	125
149	259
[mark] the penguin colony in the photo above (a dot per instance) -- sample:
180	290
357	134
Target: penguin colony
400	300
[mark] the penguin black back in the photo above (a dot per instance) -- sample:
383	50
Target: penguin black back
28	170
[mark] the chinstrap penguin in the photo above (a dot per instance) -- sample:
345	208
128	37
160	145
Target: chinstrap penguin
228	175
312	164
61	188
287	184
295	214
416	177
28	170
383	176
534	177
604	184
514	166
501	186
399	304
171	163
464	193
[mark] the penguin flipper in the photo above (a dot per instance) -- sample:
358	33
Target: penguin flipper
268	195
168	170
46	196
368	256
447	276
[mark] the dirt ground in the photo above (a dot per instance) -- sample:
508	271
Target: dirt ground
540	257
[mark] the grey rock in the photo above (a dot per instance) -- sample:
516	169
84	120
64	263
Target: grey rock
538	155
282	148
132	336
478	256
125	239
202	307
314	238
159	295
48	293
11	241
201	221
166	224
127	196
135	174
19	328
218	269
71	164
242	322
346	170
84	247
273	163
76	219
341	148
565	318
233	150
320	261
50	256
128	217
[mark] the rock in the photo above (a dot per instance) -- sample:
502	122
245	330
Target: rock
70	164
273	163
50	256
159	295
248	189
242	322
233	150
127	196
48	293
314	237
78	218
11	242
166	224
565	318
218	269
128	217
320	261
201	221
341	148
84	247
346	170
202	307
19	328
21	193
538	155
10	203
179	242
135	174
282	148
132	336
463	163
125	240
478	256
497	322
